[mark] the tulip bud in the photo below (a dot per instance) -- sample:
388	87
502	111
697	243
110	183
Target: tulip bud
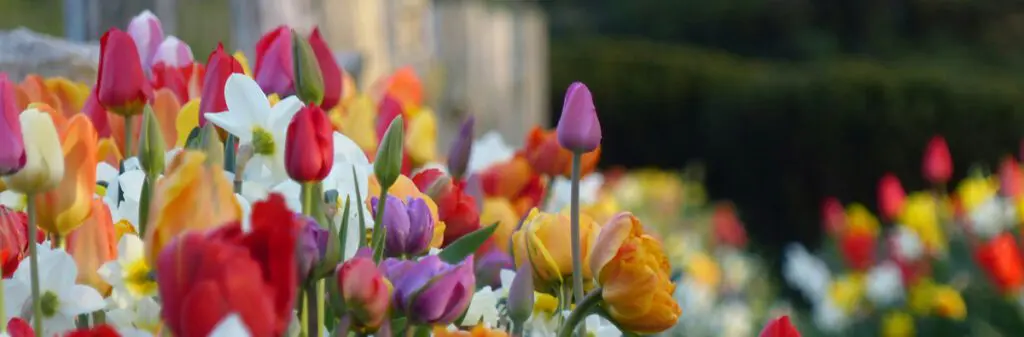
121	83
520	294
44	157
274	66
938	164
312	245
331	73
388	162
409	223
174	53
219	67
209	142
309	147
365	291
147	32
12	146
309	83
151	146
1010	178
431	291
579	130
458	156
779	327
890	196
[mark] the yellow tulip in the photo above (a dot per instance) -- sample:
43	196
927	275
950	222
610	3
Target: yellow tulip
859	219
603	209
404	188
500	210
191	196
107	151
244	61
897	324
975	190
633	272
847	291
919	298
92	245
543	240
44	159
704	270
920	213
64	208
421	139
357	122
188	119
948	303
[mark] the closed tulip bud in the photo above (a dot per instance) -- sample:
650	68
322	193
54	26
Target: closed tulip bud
365	292
1010	178
147	32
634	274
65	207
151	146
219	66
938	164
579	130
174	53
44	159
331	73
309	146
890	196
779	327
409	225
12	146
309	82
274	66
121	83
430	291
458	155
387	164
520	294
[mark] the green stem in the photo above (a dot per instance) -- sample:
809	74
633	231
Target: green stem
359	207
37	308
303	314
321	307
583	309
517	329
313	310
128	136
574	217
564	301
308	198
377	239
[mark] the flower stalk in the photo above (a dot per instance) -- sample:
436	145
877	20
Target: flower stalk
574	217
583	309
37	308
128	136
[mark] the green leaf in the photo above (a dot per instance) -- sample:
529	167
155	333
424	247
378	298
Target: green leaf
192	142
359	207
467	244
334	297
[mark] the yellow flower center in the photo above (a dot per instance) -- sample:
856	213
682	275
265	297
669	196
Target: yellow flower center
49	303
262	141
137	279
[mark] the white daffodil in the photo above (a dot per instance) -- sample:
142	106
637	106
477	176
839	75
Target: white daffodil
143	315
600	327
251	118
126	185
992	217
806	272
734	319
561	189
62	300
483	308
231	326
829	317
542	324
908	245
884	284
488	150
128	275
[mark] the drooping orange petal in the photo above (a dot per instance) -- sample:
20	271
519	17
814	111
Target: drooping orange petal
93	244
166	108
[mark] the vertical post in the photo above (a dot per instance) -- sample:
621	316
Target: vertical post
167	11
75	13
245	25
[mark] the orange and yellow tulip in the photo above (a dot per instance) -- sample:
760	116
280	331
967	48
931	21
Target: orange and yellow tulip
633	272
92	245
70	95
33	90
403	189
165	108
191	196
500	210
65	207
548	157
543	240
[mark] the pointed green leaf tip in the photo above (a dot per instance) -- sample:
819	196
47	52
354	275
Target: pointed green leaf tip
388	164
151	144
309	82
466	245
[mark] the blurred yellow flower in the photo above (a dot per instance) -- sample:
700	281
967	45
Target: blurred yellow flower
187	120
500	210
603	209
544	303
357	122
847	292
860	220
898	324
920	214
704	269
948	303
543	240
421	137
975	190
919	297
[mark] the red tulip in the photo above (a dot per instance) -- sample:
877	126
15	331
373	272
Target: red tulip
515	180
456	208
387	110
779	327
13	239
833	216
274	70
97	115
96	331
121	83
1001	260
728	228
219	66
309	147
203	277
858	249
1009	178
18	327
365	291
332	74
172	78
890	196
938	164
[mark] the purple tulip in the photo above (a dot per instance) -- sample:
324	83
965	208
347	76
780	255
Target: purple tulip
12	145
174	53
274	69
488	268
458	155
312	245
148	34
430	291
579	130
409	226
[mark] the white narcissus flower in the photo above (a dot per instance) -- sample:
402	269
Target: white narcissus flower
488	150
829	317
992	217
542	324
734	319
884	284
908	245
251	118
143	315
561	189
483	308
231	326
600	327
62	299
128	274
806	272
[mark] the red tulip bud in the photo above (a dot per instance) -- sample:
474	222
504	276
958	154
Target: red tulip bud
121	83
309	147
890	196
938	164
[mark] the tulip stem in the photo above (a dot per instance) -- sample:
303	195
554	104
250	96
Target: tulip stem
574	216
128	136
583	309
377	237
37	322
314	312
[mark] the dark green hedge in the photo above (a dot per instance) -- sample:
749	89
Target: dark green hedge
776	138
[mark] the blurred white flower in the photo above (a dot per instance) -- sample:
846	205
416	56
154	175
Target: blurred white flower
884	284
62	299
829	317
694	297
908	244
542	325
600	327
13	200
142	314
806	272
483	308
231	326
992	217
488	150
735	319
561	191
736	268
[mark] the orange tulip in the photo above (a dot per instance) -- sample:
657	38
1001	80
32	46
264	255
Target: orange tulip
33	90
191	196
515	180
548	157
632	269
107	151
500	210
543	240
64	208
59	121
403	189
477	331
92	245
70	95
166	107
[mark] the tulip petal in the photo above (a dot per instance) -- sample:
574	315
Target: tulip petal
611	238
188	119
